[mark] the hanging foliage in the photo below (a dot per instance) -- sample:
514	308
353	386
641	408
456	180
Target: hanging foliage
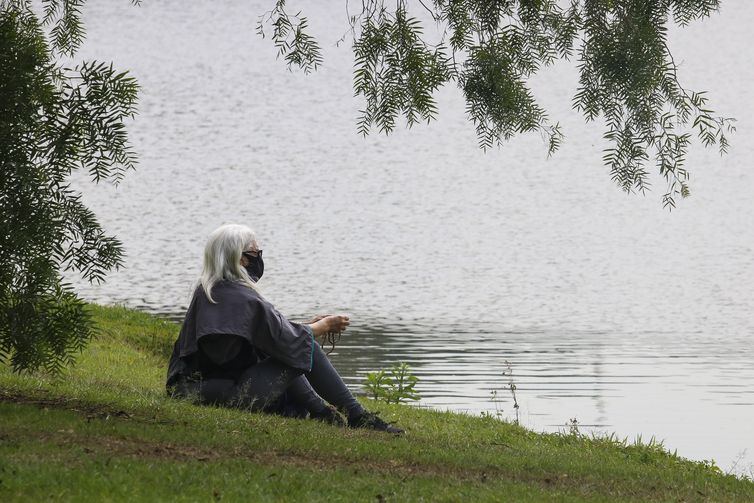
490	50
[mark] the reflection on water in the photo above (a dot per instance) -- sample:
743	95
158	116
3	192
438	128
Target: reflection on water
608	309
638	383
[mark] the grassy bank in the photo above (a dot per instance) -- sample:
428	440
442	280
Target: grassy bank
105	431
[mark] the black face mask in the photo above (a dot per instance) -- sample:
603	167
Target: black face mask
255	267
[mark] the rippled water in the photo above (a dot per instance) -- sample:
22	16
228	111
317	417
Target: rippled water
607	308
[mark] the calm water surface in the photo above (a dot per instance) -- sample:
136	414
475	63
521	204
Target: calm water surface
607	308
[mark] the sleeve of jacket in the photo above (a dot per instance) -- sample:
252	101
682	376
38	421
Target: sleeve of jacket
286	341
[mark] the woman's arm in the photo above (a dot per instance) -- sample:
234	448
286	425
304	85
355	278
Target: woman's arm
315	319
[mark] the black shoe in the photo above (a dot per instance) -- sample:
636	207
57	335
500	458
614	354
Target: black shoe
329	415
372	421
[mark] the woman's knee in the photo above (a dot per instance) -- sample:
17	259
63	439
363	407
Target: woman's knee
262	385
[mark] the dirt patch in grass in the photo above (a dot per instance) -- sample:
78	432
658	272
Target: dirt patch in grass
148	449
114	446
90	410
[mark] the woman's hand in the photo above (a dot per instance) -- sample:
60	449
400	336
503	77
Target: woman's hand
330	323
337	322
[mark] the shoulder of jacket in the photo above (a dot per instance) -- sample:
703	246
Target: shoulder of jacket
241	291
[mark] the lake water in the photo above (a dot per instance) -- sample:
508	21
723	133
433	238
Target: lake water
607	308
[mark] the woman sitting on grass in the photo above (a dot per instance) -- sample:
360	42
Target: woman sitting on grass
235	349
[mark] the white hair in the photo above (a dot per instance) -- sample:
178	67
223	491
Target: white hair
222	257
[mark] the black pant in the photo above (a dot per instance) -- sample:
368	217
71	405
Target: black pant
261	386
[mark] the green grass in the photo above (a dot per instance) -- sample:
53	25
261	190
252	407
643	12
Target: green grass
106	431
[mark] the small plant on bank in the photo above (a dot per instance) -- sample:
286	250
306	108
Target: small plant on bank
496	400
377	383
573	427
511	387
393	387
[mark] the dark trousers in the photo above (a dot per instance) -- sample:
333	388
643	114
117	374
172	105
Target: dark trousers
269	384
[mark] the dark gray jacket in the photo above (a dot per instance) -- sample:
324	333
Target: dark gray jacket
242	312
